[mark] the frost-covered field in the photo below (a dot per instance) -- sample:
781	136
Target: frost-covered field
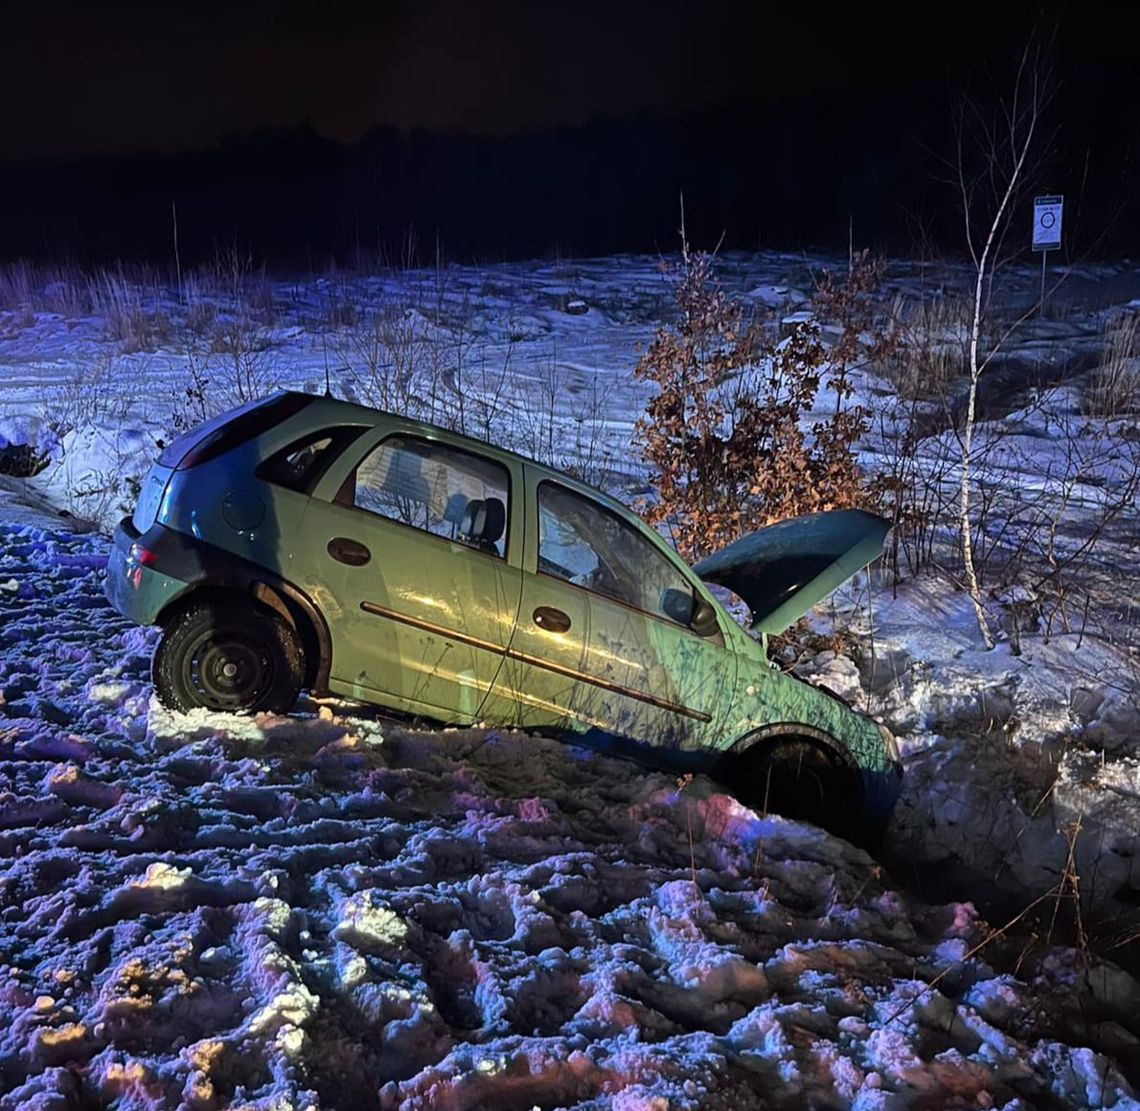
329	910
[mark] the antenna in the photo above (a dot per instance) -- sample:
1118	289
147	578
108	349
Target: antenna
325	347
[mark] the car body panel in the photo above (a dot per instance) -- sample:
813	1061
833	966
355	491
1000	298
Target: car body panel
150	496
433	626
418	621
783	570
540	684
221	503
138	591
669	684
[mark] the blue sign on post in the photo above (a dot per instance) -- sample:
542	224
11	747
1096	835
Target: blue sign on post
1047	223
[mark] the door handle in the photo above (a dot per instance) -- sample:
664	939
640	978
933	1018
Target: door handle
352	552
552	620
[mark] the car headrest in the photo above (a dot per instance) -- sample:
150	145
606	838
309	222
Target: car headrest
492	521
472	515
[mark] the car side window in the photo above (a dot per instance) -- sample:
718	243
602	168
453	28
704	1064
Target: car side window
299	465
439	489
586	544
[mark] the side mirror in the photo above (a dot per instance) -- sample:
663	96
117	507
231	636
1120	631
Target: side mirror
703	622
679	605
688	608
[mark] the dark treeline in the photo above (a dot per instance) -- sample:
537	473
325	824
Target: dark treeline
788	177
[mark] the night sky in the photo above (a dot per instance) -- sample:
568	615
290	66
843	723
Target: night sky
860	92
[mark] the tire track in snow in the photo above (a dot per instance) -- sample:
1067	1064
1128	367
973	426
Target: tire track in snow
211	911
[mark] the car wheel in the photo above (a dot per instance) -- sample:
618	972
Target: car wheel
228	657
803	780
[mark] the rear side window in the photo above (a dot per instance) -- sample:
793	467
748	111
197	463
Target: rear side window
436	488
301	464
228	430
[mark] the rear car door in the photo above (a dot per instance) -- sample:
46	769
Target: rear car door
406	550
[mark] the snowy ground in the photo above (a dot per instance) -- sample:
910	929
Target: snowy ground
223	912
329	911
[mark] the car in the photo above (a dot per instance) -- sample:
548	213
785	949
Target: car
305	542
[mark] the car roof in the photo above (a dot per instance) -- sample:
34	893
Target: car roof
326	407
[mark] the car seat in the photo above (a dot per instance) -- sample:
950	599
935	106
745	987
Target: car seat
483	524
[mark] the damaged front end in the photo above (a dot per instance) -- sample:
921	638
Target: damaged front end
781	571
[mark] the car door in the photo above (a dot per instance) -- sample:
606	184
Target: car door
630	663
540	684
407	551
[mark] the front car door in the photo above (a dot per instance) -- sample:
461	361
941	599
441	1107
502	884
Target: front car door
629	664
408	546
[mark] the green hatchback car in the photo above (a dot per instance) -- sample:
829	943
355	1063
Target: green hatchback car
305	542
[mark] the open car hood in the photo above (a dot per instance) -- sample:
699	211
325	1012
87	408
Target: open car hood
782	571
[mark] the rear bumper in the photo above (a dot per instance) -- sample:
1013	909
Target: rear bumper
147	573
139	590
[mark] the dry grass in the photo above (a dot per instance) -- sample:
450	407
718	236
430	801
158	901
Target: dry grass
29	287
1114	387
932	352
130	306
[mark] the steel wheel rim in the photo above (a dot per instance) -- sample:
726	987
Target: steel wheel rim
228	670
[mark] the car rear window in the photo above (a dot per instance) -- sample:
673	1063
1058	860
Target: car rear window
300	465
229	429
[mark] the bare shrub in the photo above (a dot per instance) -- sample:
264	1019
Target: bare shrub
393	362
90	392
734	435
241	286
916	476
933	341
194	404
341	309
1055	502
590	454
231	315
240	356
426	363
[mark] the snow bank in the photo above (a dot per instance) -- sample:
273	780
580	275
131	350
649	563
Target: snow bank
330	911
1012	761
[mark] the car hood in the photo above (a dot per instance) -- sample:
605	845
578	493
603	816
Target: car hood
782	571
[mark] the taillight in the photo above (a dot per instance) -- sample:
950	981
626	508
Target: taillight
144	557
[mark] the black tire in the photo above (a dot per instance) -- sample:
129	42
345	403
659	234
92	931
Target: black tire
228	656
802	779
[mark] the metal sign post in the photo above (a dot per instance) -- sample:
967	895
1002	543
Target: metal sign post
1047	212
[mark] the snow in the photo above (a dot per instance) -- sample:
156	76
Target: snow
332	909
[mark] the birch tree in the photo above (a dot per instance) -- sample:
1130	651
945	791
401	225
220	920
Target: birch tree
993	164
